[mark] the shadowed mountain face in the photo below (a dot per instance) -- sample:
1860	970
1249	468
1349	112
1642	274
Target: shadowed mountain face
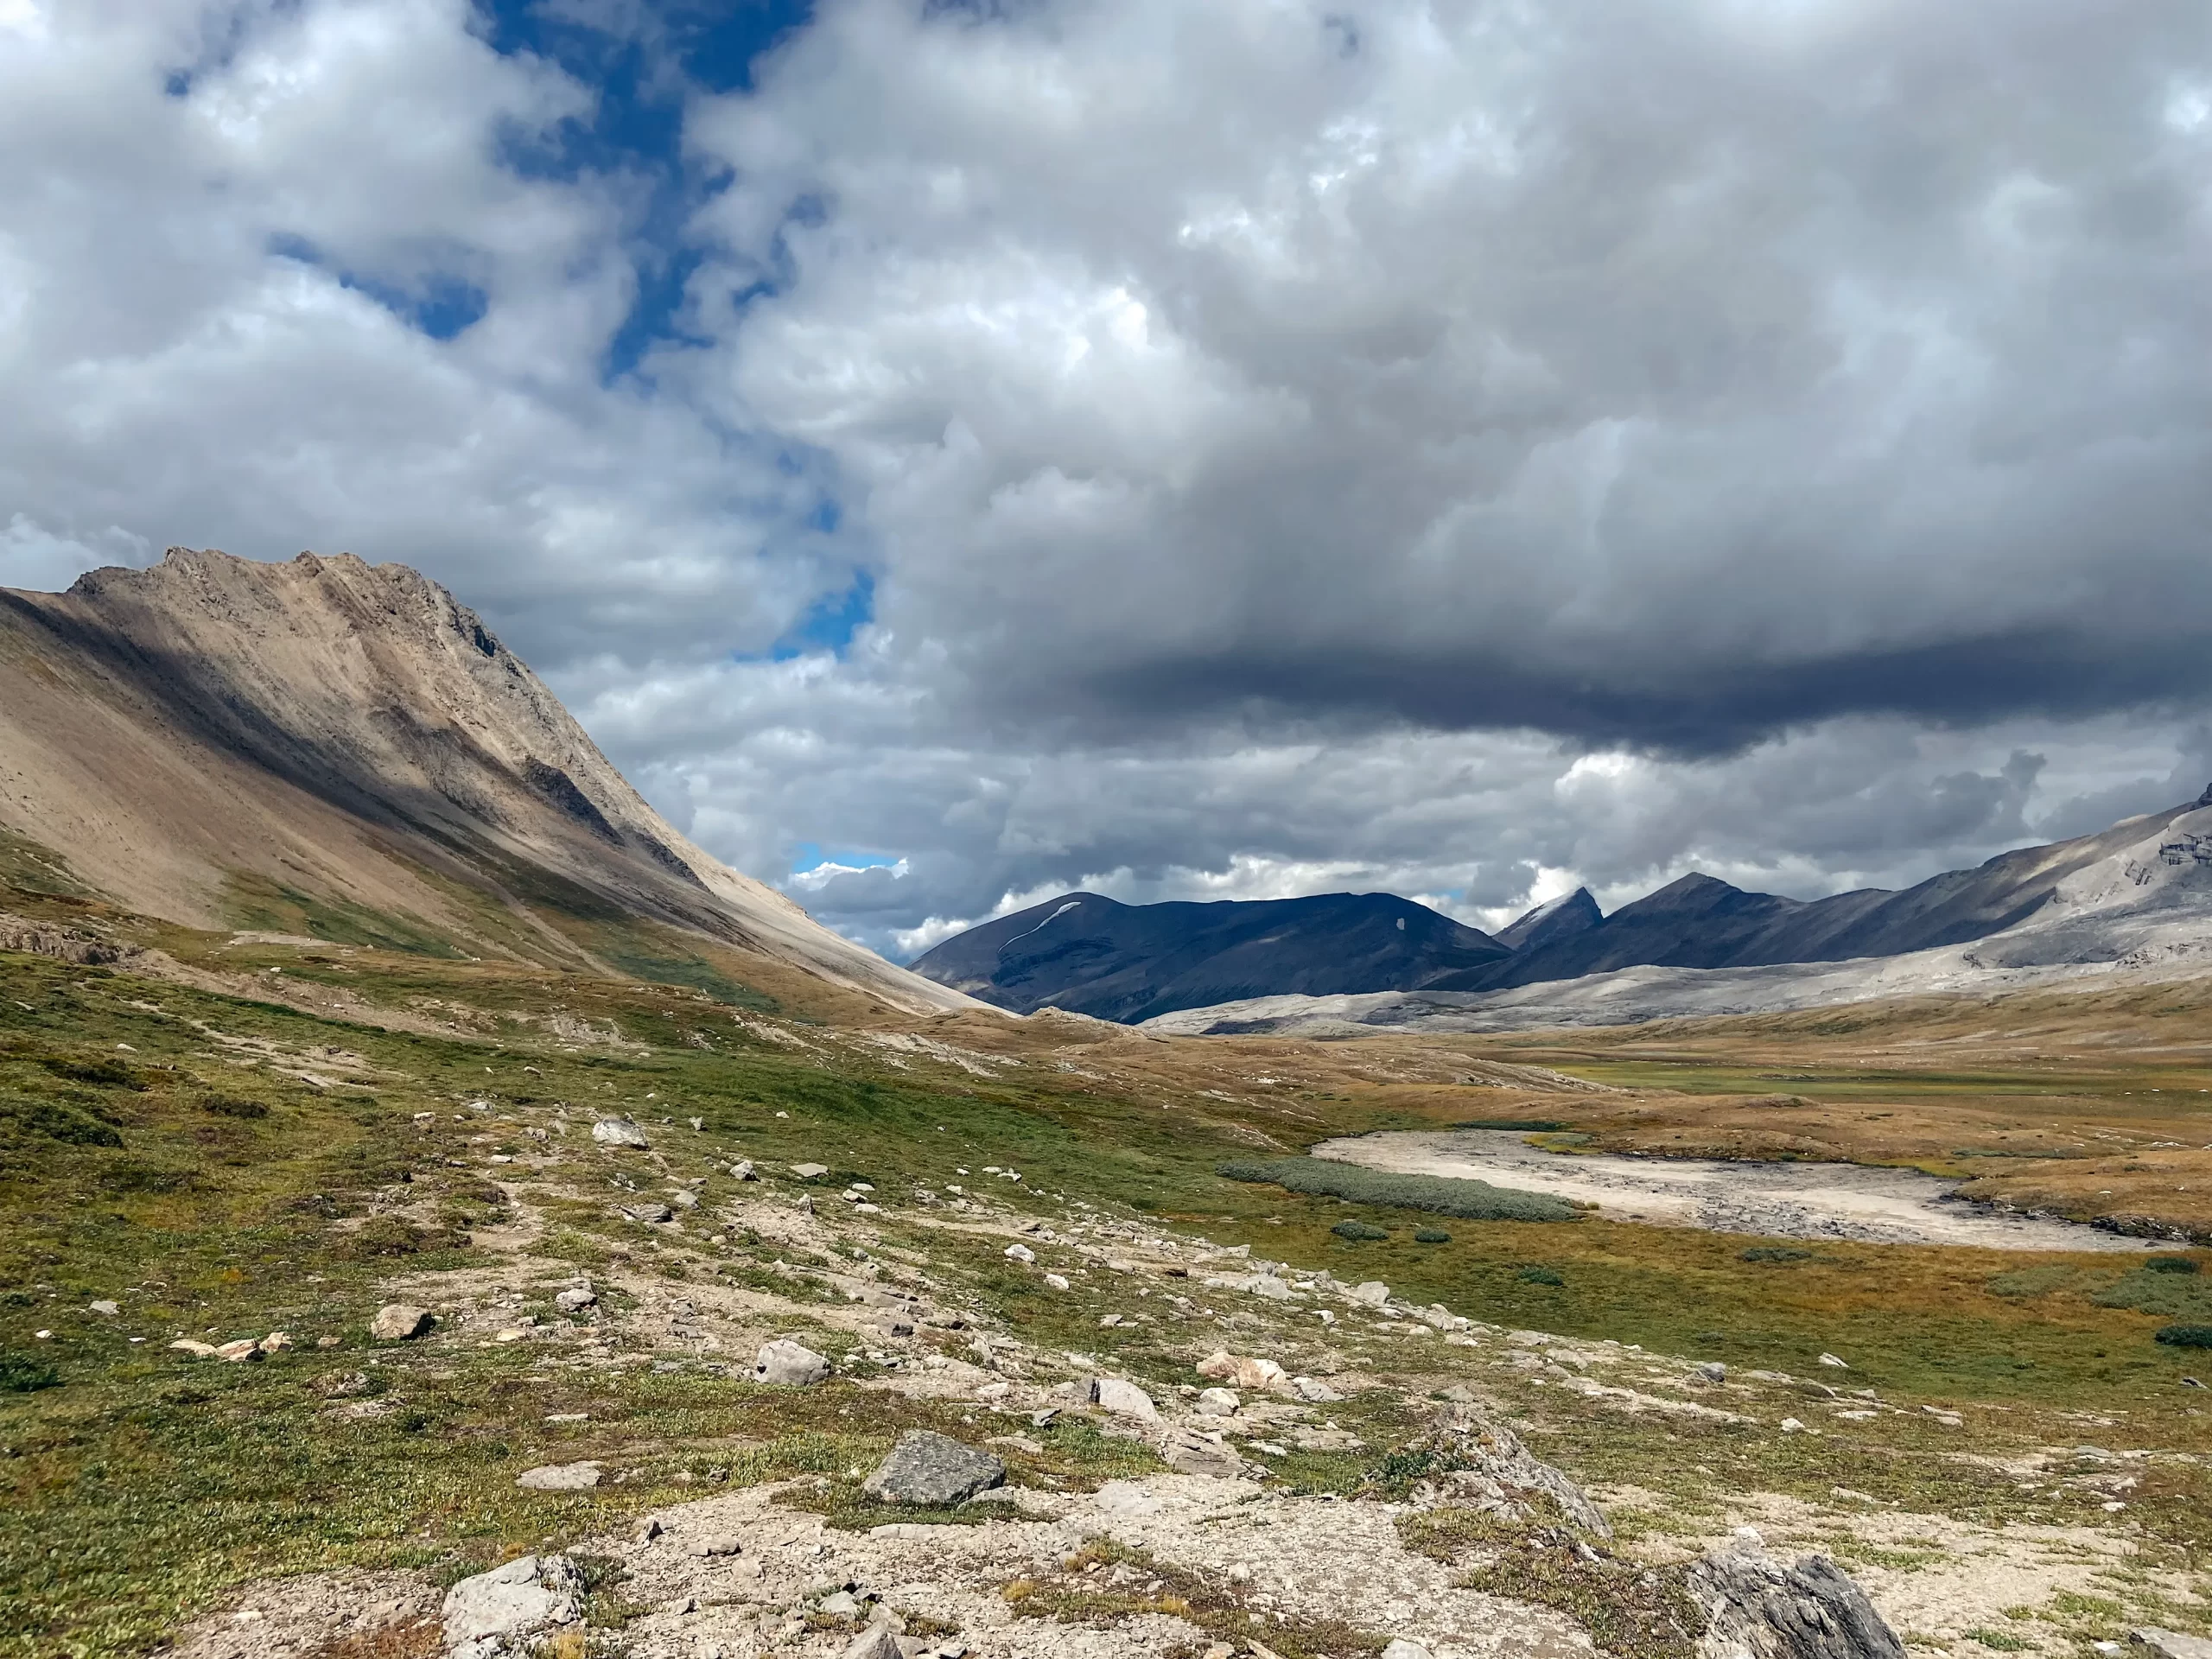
1090	955
1120	961
326	747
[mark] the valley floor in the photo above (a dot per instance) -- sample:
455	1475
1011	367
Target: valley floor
971	1226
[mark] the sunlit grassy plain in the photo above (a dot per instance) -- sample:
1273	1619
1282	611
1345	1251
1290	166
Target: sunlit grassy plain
144	1485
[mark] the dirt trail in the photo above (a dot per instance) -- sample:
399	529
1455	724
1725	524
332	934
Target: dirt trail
1794	1200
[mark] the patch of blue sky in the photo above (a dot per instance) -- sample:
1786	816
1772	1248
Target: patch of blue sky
442	305
831	622
815	866
642	63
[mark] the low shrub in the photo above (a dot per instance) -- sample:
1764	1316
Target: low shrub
25	1373
2182	1296
1357	1230
2170	1264
391	1236
1774	1253
232	1106
1443	1195
132	1176
2186	1335
1540	1277
1432	1235
59	1123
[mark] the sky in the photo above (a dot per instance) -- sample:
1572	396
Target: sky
949	452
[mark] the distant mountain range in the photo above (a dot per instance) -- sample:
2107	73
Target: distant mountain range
1090	955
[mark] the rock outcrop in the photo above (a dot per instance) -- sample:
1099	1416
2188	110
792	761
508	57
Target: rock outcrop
1758	1607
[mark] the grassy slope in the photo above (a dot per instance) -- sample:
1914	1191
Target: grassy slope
146	1485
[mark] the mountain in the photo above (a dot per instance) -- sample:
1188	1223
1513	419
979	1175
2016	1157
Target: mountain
325	749
1553	922
1089	954
2133	902
1700	922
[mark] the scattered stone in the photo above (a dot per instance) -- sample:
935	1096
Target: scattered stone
619	1132
105	1310
839	1603
683	1198
1402	1647
789	1364
244	1349
399	1322
875	1643
574	1301
743	1170
1830	1359
197	1350
1710	1371
2170	1644
275	1342
1218	1402
1374	1292
1757	1605
1189	1451
810	1171
651	1211
1260	1375
933	1470
559	1478
498	1611
1056	1282
647	1529
1791	1426
1020	1253
1314	1391
717	1544
1123	1398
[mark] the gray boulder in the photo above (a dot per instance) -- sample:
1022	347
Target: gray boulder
1757	1607
574	1301
651	1210
2151	1642
875	1643
498	1613
399	1322
619	1132
789	1364
1123	1399
559	1478
1492	1466
934	1469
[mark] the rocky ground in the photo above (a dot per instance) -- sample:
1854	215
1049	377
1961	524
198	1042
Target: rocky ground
1468	1546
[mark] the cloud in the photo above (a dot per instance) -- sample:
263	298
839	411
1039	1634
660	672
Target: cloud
1669	378
1445	446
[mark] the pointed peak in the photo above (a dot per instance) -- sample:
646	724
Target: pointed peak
2205	799
1554	920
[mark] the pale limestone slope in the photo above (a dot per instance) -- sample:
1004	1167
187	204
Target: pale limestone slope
352	731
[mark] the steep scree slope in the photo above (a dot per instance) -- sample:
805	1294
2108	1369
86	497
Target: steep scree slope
350	736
